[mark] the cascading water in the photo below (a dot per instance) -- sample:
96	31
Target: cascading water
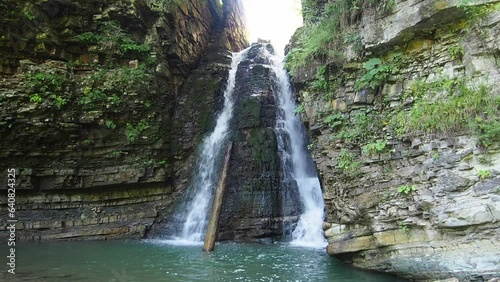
205	178
297	164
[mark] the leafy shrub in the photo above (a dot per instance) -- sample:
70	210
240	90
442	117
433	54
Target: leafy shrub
406	189
49	87
35	98
134	131
347	162
372	148
483	174
404	228
90	38
456	52
110	124
375	76
334	120
111	39
357	130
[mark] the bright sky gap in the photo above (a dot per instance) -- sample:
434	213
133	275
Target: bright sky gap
274	20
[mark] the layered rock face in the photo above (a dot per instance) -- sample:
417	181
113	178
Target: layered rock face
409	190
252	202
94	108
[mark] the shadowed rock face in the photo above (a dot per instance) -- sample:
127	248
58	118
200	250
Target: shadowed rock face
252	203
140	80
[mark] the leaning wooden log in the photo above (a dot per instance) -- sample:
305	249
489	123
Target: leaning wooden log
217	204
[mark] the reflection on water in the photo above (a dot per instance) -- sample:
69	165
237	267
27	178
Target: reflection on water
155	260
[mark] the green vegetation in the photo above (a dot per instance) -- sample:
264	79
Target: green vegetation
456	52
376	70
406	189
347	162
35	98
28	15
376	75
111	39
299	109
116	153
376	147
134	131
325	33
90	38
320	83
483	174
50	87
404	228
334	120
105	87
110	124
450	105
357	130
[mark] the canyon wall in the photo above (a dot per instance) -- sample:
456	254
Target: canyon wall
102	104
402	105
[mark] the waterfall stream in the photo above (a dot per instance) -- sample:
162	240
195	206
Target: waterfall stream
297	164
205	177
298	171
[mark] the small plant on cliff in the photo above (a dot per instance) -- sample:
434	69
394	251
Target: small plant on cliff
334	120
406	189
346	161
299	109
110	124
90	38
372	148
456	52
376	74
134	131
404	228
35	98
51	87
358	129
27	14
111	39
483	174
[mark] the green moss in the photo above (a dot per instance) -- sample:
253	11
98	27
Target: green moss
247	113
264	145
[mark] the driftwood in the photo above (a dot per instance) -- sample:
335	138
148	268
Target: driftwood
217	204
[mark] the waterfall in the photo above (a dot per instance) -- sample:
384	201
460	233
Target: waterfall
297	164
206	175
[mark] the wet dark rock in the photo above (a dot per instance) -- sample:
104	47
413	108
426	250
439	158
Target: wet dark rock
127	151
252	203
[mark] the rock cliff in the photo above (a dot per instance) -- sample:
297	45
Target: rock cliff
401	100
95	114
252	205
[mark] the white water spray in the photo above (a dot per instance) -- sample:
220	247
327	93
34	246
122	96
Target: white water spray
295	159
196	219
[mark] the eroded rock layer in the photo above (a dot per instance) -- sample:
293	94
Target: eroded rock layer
409	162
94	112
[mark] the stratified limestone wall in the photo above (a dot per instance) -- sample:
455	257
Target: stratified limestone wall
252	202
89	106
447	223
